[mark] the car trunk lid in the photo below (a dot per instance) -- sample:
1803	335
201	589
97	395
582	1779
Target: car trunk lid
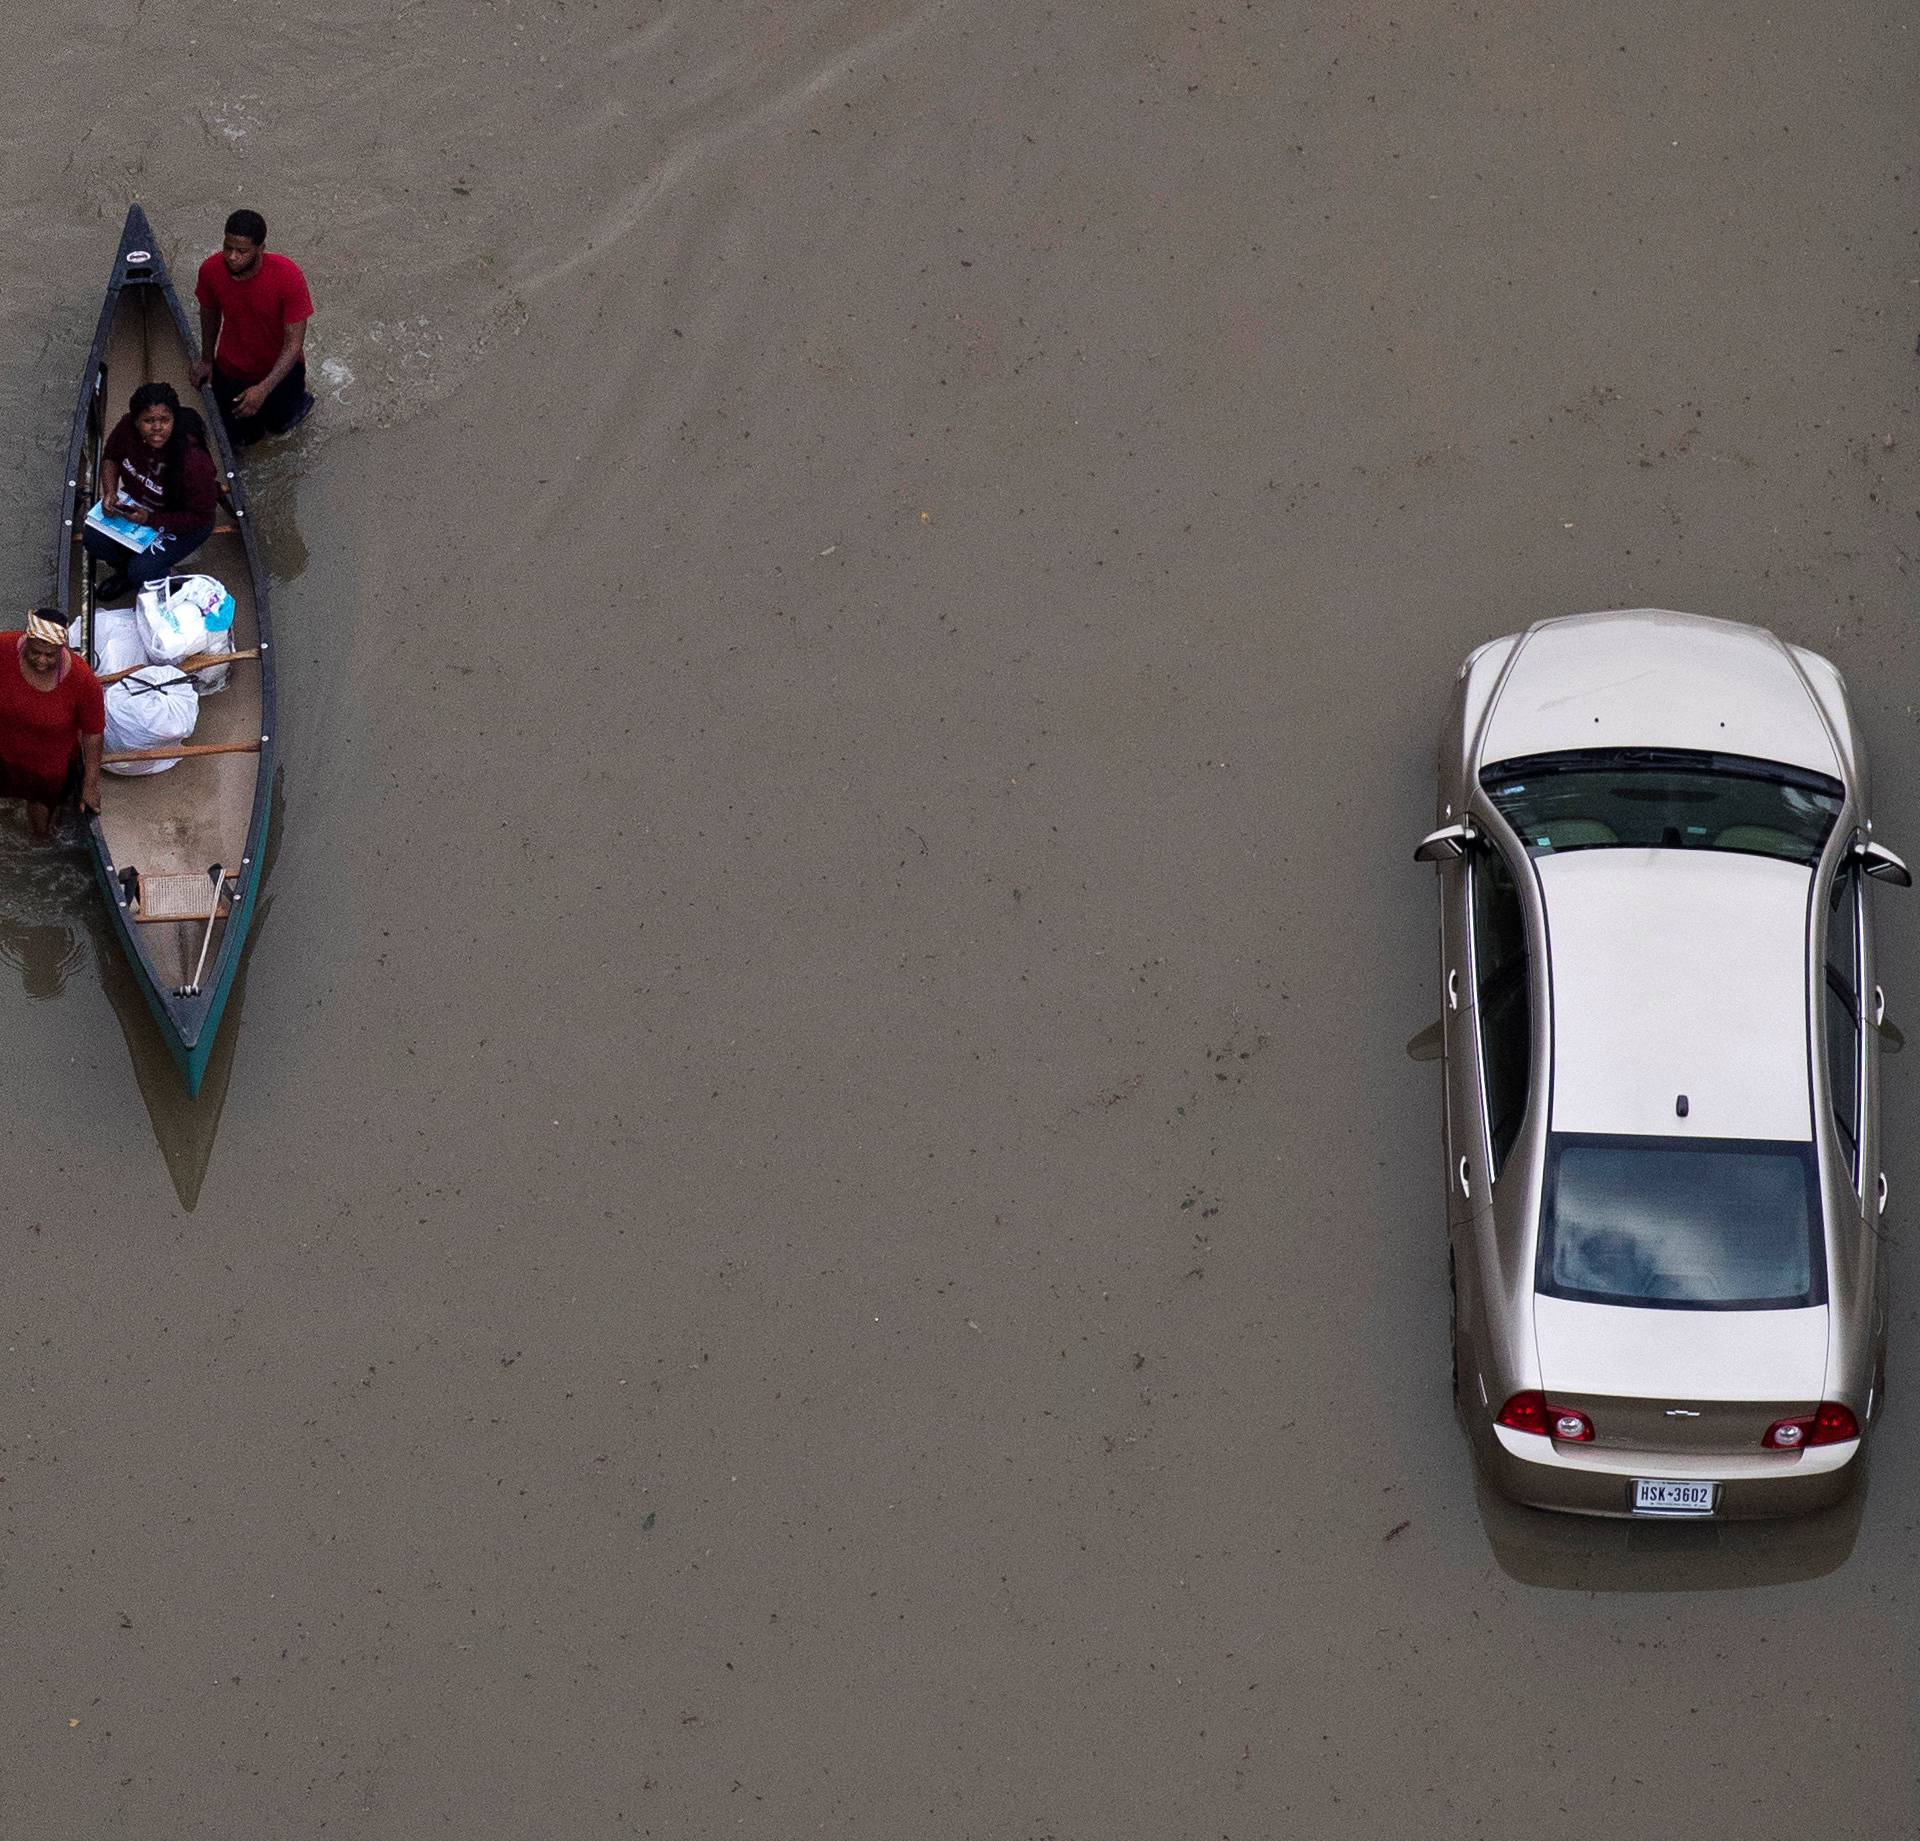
1680	1380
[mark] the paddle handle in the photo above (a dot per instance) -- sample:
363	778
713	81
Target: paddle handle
178	751
199	662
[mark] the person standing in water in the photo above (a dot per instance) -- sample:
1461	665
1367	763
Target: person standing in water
154	469
52	718
254	308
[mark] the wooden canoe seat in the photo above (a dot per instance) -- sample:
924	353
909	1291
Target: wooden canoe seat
174	897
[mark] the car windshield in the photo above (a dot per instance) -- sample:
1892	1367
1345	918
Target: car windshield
1664	798
1682	1223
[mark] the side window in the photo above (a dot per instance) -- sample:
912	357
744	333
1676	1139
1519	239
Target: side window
1500	984
1842	1006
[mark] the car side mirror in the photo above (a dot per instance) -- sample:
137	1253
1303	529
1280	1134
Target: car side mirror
1451	842
1880	863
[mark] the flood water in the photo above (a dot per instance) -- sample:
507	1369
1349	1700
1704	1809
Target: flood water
818	1219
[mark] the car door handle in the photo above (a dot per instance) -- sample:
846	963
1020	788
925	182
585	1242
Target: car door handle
1453	990
1466	1188
1879	1006
1882	1190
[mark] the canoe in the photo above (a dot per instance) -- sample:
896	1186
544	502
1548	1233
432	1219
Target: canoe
180	855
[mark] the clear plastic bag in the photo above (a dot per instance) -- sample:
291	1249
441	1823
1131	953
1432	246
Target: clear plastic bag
219	639
173	615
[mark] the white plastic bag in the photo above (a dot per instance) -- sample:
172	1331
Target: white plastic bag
174	627
116	640
205	592
154	707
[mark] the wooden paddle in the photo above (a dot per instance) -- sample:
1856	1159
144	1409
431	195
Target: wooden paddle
199	662
178	751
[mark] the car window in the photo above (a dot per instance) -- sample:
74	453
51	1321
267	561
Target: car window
1841	1001
1664	798
1500	986
1682	1223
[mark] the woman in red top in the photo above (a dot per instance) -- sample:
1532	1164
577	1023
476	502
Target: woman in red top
52	716
155	469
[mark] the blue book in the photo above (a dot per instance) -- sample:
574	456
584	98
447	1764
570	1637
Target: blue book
139	538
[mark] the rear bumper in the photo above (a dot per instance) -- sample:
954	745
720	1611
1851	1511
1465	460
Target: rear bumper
1545	1473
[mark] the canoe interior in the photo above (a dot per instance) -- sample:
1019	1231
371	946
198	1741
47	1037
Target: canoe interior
196	814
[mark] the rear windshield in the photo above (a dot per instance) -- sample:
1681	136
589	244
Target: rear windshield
1682	1223
1664	798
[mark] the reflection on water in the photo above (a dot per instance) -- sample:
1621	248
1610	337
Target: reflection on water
47	908
1430	1043
45	955
183	1128
52	922
273	478
1580	1553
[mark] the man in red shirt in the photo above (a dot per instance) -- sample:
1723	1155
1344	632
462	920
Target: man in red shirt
254	308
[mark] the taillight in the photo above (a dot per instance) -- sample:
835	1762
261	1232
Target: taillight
1526	1413
1529	1412
1832	1424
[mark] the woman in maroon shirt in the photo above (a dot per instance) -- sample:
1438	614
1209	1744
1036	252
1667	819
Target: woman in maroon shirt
155	469
52	716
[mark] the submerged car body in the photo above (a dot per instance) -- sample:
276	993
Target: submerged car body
1663	1178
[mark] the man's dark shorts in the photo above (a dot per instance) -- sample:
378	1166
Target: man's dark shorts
286	404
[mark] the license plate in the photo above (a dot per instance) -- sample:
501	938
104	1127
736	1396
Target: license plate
1651	1496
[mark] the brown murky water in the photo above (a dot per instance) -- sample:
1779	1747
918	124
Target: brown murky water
818	1221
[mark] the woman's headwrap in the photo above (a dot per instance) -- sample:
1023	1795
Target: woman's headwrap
40	627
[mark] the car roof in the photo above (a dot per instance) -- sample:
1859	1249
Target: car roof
1650	678
1678	971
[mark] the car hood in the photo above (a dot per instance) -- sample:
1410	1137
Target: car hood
1651	678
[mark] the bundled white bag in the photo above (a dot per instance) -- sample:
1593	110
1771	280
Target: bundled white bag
116	640
174	626
154	707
